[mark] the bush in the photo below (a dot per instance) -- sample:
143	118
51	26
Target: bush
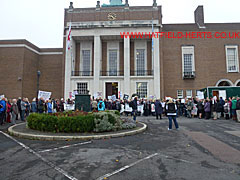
71	122
51	123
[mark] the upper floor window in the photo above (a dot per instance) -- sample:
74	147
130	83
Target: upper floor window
86	64
140	62
188	63
232	58
113	62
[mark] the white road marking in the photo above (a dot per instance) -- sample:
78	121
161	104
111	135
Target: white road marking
133	164
63	147
42	158
170	157
126	167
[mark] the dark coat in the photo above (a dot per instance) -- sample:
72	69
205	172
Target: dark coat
158	107
134	104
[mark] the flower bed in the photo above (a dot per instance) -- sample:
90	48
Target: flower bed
79	122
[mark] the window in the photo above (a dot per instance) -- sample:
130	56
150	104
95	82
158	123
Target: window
189	93
141	89
232	58
140	58
188	64
86	62
179	94
82	88
113	62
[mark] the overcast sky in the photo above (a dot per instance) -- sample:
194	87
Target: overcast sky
41	21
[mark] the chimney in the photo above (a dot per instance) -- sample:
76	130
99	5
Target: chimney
199	17
98	4
126	3
154	3
71	5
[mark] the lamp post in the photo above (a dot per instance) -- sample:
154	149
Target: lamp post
38	77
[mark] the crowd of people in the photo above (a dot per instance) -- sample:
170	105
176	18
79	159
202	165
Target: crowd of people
201	108
19	109
12	110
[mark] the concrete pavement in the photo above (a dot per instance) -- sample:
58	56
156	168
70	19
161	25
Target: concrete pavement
156	154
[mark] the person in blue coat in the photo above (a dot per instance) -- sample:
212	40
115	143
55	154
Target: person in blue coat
34	105
2	110
158	109
101	105
49	106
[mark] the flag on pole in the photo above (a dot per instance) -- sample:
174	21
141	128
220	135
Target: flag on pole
69	37
152	36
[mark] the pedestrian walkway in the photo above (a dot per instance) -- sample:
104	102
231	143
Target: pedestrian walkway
219	149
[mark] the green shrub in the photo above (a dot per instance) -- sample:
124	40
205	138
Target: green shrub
50	123
71	122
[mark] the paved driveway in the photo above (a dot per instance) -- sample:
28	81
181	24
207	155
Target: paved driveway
196	151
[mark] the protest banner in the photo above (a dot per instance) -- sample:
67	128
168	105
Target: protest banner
125	97
140	108
99	94
44	94
114	98
200	95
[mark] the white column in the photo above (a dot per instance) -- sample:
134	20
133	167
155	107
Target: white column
156	67
97	63
127	83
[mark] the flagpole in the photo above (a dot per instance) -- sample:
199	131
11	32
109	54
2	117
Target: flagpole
152	45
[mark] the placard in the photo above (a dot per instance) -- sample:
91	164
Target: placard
223	94
2	96
99	94
45	95
125	97
140	108
128	108
200	95
114	98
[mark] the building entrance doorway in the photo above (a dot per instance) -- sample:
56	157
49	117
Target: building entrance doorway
220	93
112	89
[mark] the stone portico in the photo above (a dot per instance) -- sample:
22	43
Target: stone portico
103	61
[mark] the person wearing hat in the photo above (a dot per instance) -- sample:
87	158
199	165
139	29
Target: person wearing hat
171	109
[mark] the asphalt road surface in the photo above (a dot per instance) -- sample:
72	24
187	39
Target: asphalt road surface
201	149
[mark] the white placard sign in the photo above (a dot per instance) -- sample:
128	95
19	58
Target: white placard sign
152	108
128	108
200	95
140	108
44	94
114	97
99	94
223	94
2	96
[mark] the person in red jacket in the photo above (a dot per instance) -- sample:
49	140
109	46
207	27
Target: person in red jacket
9	108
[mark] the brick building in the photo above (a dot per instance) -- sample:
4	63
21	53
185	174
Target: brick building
102	61
20	61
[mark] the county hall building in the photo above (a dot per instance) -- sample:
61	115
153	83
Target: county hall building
118	49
